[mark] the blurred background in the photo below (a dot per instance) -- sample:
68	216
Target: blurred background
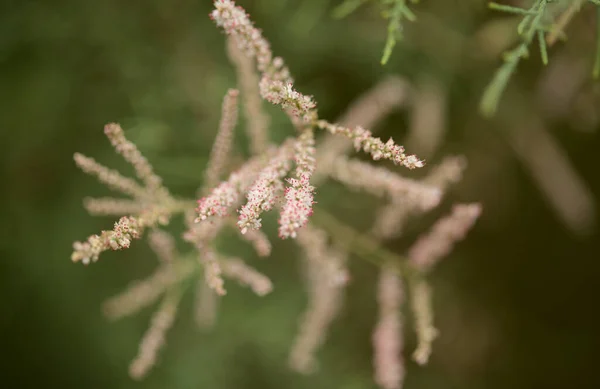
516	303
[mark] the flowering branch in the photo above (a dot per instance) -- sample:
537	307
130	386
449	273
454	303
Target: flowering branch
266	181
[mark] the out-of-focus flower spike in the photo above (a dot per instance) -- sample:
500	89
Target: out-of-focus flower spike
222	146
327	276
393	216
257	121
236	269
154	338
421	303
130	152
328	262
427	117
112	178
259	240
110	206
144	292
387	336
212	271
379	181
163	244
313	326
449	171
442	237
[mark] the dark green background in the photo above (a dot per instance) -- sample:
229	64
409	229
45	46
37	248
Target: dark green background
516	303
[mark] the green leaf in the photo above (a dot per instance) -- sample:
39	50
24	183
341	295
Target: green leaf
543	49
509	9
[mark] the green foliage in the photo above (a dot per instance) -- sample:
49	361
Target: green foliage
534	23
529	27
537	23
394	10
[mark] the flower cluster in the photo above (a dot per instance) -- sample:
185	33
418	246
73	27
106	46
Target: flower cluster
227	193
262	194
282	178
299	197
364	140
126	229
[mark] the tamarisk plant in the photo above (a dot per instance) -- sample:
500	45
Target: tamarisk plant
281	177
545	22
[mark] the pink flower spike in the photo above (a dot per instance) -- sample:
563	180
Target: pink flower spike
364	140
227	193
299	196
263	193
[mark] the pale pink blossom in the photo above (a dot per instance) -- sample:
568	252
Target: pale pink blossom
293	102
276	85
262	195
227	193
125	230
235	22
364	140
299	196
367	111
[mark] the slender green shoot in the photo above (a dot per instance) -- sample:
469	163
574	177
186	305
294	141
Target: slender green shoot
543	49
509	9
529	27
393	10
395	13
